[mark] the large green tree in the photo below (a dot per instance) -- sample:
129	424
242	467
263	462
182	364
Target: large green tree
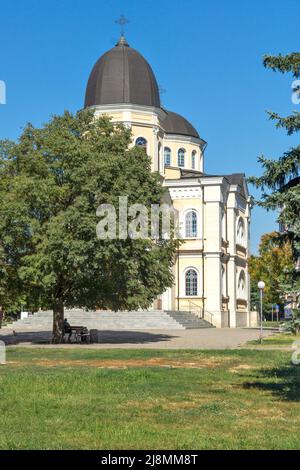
11	295
280	182
274	261
51	184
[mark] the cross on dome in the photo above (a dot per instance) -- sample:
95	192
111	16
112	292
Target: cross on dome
122	21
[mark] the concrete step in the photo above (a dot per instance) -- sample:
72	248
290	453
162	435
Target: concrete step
125	320
189	320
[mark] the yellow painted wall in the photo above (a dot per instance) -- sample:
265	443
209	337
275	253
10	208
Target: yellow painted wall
172	173
190	256
193	303
143	125
174	146
182	206
147	125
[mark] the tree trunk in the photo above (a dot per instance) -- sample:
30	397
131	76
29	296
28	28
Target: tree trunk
58	322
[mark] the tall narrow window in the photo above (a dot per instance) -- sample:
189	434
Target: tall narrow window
223	225
141	142
191	282
159	156
223	276
241	291
194	153
240	234
181	157
167	156
191	224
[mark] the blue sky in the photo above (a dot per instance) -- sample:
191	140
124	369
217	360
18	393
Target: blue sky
206	55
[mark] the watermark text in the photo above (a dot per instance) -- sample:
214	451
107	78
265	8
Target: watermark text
2	92
158	222
296	353
2	353
296	92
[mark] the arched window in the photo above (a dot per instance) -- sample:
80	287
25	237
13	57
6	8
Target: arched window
240	234
181	157
191	224
241	291
141	142
191	282
194	153
167	156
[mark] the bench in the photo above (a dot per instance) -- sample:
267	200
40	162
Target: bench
82	335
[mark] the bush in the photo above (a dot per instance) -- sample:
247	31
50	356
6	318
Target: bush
293	326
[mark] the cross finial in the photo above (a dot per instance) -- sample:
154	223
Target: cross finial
122	21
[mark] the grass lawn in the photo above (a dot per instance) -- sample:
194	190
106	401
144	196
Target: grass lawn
271	324
147	399
276	340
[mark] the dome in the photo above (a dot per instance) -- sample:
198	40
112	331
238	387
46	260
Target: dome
176	124
122	75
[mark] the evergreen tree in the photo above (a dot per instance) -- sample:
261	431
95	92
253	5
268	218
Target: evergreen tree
280	181
52	181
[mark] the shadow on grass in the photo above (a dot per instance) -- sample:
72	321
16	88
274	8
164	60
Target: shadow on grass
104	337
132	337
282	382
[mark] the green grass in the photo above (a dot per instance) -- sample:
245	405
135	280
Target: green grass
271	324
147	399
277	340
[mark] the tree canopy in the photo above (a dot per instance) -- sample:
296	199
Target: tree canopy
51	183
272	265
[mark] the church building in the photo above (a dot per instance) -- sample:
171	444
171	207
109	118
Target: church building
211	272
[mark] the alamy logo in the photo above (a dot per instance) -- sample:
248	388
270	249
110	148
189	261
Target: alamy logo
296	353
2	92
136	221
2	353
296	92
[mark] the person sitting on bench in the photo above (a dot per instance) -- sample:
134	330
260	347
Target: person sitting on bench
67	329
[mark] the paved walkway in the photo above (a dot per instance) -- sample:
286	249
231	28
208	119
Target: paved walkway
210	338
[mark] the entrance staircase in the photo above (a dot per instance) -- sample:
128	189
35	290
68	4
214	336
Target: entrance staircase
189	320
105	320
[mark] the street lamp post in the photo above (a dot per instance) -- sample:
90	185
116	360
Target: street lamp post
261	285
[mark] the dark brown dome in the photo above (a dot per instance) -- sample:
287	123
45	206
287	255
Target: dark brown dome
176	124
122	75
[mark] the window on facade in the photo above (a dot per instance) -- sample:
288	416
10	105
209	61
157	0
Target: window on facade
141	142
181	157
224	235
240	232
191	224
167	156
194	159
241	293
191	282
223	275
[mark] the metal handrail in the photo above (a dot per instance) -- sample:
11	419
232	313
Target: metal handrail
199	309
210	314
204	314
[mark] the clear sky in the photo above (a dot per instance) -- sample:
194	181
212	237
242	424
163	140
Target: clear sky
207	56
